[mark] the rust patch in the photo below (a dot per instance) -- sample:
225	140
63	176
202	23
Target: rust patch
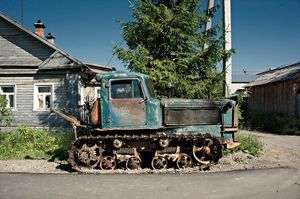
96	114
128	112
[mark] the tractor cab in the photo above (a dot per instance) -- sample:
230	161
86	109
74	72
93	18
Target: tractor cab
128	101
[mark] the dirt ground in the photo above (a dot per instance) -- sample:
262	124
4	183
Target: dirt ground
278	151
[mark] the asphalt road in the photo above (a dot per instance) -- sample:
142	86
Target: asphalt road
263	183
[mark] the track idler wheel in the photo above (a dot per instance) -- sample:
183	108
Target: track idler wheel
108	163
159	162
88	155
184	161
207	151
133	163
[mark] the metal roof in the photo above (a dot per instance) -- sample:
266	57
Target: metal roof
243	76
121	74
282	73
99	67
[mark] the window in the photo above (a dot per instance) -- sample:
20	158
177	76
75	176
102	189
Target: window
126	89
43	96
9	92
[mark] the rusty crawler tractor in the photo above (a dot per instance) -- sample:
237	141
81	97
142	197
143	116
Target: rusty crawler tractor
130	128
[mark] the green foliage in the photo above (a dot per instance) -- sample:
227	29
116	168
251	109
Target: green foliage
5	113
249	144
165	41
34	144
274	123
64	141
242	102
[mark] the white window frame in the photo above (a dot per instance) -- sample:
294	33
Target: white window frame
35	95
97	89
14	94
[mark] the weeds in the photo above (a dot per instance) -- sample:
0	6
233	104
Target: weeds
27	143
249	144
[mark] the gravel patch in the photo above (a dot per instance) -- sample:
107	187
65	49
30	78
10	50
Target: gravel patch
32	166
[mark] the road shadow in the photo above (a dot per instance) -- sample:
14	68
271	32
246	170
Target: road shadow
64	167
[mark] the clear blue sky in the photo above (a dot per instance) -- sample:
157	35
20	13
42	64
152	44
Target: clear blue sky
265	33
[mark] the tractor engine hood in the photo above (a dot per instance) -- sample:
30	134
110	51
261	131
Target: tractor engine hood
197	103
194	111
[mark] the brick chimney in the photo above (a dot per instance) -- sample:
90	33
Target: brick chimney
50	38
39	28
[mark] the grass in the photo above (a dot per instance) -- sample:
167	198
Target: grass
249	144
27	143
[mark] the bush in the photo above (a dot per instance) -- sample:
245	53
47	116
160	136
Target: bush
64	141
5	113
243	108
249	144
34	144
274	123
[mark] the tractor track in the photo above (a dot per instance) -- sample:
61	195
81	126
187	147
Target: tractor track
90	153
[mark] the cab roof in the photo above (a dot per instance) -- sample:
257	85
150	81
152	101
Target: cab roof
123	74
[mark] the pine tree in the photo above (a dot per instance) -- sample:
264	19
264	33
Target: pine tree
166	41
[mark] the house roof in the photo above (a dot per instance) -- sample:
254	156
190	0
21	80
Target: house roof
7	18
243	76
98	67
58	57
282	73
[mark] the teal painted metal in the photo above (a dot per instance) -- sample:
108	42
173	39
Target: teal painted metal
154	114
228	121
203	129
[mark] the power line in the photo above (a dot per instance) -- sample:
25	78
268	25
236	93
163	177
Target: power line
114	53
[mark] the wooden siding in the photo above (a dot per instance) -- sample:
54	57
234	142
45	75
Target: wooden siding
19	48
278	97
65	96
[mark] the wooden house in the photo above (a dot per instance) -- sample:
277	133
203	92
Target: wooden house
35	74
240	79
277	91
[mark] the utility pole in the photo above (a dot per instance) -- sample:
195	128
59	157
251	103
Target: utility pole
227	62
210	5
22	13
